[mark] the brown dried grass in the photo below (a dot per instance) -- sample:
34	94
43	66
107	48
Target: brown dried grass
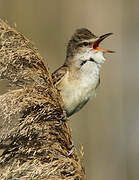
35	138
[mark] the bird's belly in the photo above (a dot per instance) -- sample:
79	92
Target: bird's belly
76	97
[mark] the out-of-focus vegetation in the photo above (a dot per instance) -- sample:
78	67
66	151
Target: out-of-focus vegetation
108	125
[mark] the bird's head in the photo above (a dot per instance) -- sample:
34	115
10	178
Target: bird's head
84	45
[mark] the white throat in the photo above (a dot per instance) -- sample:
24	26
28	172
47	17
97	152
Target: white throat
89	53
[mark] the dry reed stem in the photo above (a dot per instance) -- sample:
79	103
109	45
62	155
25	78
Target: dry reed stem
35	138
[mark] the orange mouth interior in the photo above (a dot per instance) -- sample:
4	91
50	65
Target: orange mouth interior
96	44
96	47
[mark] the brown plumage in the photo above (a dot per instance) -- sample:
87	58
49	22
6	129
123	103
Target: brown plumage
79	36
78	79
57	76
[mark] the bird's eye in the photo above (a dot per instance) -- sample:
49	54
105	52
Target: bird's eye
85	43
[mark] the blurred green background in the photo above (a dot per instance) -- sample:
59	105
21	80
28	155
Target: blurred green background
108	126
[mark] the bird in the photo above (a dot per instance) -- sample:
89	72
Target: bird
79	77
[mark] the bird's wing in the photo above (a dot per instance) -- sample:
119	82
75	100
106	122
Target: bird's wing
59	74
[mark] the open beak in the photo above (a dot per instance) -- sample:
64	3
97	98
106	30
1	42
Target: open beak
97	42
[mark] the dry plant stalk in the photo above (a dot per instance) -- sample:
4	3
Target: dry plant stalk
35	138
